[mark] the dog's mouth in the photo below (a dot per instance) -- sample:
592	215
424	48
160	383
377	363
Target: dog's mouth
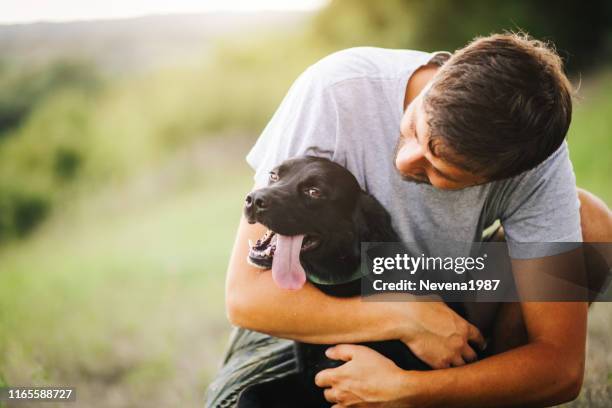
287	271
262	251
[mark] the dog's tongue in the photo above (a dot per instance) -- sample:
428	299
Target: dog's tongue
287	270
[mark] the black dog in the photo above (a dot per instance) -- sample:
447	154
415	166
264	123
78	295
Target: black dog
317	216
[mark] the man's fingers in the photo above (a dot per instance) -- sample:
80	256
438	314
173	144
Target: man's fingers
330	395
469	355
458	362
323	378
342	352
475	337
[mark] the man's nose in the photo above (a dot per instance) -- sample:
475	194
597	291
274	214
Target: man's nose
409	157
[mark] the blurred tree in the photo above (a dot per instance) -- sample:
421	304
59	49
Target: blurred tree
44	124
42	157
581	31
22	88
20	212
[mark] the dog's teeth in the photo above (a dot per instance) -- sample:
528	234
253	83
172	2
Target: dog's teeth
251	244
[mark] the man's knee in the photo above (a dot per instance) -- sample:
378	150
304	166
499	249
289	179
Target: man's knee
595	218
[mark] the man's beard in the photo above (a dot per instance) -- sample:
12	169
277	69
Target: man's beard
414	180
406	177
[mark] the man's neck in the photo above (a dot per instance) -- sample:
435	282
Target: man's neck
419	80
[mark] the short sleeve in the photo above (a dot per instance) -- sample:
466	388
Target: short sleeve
305	123
542	215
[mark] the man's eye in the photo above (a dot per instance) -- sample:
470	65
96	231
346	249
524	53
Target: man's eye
273	177
313	192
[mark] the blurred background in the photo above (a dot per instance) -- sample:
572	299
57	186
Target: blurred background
123	130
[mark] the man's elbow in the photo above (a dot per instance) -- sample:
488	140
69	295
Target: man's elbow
235	307
241	304
570	383
241	315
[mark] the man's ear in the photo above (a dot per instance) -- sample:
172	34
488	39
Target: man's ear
372	221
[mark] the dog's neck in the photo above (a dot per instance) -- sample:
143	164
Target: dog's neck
333	270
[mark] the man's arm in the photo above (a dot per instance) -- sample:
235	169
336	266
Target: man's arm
253	301
546	371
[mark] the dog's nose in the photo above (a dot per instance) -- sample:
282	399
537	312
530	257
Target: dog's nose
255	202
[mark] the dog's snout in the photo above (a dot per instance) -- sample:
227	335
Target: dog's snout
256	200
248	201
254	203
260	203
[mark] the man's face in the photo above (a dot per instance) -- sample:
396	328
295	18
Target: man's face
416	162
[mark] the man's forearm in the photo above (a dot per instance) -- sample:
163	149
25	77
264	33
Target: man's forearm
546	371
255	302
537	374
312	316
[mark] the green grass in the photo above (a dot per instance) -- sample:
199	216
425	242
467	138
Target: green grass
590	136
122	296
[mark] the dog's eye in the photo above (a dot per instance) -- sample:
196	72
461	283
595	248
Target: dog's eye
273	177
313	192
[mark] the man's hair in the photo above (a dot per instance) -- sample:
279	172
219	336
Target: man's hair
499	106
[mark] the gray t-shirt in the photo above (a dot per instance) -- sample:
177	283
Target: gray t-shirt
347	107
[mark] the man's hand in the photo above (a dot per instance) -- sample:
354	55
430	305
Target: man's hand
366	380
439	336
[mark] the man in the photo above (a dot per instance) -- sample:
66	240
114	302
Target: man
481	139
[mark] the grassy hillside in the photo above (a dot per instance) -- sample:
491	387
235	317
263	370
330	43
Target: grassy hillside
122	295
590	135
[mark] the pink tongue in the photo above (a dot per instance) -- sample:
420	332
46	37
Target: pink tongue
287	270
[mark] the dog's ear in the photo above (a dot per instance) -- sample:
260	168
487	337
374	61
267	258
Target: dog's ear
372	221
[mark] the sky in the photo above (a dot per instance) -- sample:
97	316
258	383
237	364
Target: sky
25	11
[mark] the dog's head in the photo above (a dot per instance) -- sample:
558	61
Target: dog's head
317	216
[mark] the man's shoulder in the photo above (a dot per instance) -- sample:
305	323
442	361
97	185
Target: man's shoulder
556	167
548	186
364	63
